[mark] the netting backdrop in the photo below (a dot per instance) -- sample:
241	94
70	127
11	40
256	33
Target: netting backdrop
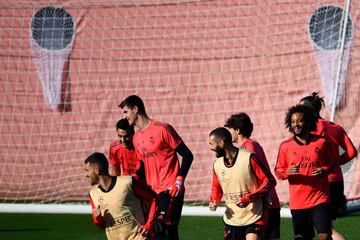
194	63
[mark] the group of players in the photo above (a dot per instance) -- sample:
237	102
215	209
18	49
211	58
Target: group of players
142	194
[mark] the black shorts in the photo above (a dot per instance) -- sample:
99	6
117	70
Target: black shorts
170	209
304	221
168	215
240	232
272	230
337	198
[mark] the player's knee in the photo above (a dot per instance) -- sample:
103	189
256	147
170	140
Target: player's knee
325	236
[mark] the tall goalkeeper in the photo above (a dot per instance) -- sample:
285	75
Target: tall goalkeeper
157	145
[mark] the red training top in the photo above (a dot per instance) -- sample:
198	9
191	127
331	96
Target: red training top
306	191
337	136
255	147
156	145
124	158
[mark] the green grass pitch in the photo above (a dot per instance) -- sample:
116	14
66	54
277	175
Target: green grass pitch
79	226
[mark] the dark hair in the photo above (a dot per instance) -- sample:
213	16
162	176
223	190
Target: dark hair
132	101
314	101
309	117
222	133
242	122
100	160
124	125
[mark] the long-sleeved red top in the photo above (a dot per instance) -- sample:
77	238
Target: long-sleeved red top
306	191
255	147
337	137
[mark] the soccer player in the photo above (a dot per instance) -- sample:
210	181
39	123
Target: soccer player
116	202
337	136
305	160
241	127
157	145
243	181
122	156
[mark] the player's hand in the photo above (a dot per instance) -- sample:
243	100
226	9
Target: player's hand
243	202
144	229
294	169
96	211
177	188
99	219
212	206
318	172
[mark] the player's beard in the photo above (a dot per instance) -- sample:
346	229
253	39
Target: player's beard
94	180
300	133
220	152
127	143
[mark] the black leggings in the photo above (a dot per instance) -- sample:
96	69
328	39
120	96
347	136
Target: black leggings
168	214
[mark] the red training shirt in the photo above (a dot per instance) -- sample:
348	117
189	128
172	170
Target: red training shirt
156	145
337	136
126	159
255	147
306	191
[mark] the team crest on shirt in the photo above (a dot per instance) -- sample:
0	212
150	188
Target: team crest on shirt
223	173
101	199
317	150
152	140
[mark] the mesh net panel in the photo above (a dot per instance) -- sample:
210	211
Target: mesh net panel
51	34
325	29
194	63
